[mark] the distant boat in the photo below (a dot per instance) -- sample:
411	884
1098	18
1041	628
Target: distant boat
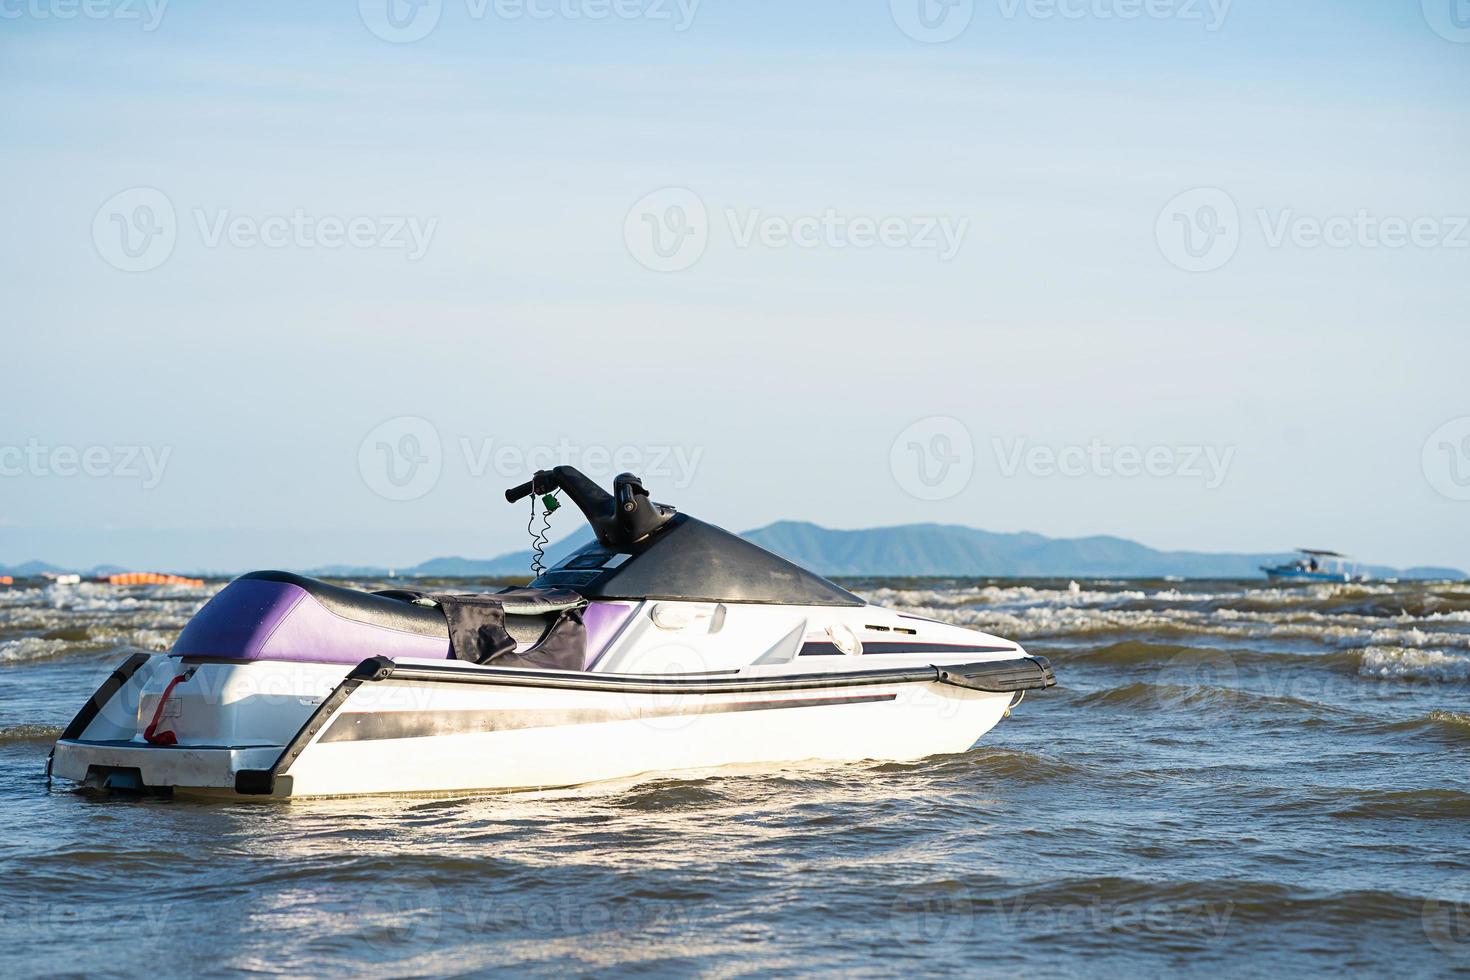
1316	566
62	578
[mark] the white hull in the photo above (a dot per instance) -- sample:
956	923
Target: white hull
428	728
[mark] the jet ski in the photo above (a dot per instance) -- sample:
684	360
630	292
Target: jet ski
662	644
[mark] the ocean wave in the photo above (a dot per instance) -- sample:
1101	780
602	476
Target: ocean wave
1458	616
1052	621
52	621
154	640
1399	663
29	733
1130	653
1228	624
1452	720
103	598
1202	695
1358	606
79	633
82	640
1214	904
1186	665
1174	660
19	597
28	649
1008	764
1020	596
1417	804
1452	726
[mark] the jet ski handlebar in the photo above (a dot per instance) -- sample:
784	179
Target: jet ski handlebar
515	494
620	519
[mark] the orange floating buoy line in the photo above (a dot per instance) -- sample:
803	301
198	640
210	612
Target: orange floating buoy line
151	578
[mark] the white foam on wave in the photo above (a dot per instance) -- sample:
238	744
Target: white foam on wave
45	618
90	597
1414	664
29	648
1044	613
1048	620
19	597
137	639
1021	596
1459	616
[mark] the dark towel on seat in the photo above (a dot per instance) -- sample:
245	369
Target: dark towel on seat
477	631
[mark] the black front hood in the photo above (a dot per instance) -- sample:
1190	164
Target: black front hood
689	559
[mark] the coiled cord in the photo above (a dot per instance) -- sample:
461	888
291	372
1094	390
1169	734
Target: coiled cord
539	539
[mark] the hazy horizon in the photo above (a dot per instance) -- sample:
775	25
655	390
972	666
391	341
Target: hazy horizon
563	534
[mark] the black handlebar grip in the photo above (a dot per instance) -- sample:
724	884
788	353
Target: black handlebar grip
626	503
521	492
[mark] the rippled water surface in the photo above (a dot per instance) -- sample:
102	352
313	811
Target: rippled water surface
1245	779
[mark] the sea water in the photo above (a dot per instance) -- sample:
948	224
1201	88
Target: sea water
1232	777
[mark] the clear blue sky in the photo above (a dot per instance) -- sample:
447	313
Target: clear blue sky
518	145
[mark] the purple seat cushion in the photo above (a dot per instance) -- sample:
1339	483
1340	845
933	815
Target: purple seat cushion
260	619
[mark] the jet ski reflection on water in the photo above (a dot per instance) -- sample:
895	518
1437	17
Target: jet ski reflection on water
665	644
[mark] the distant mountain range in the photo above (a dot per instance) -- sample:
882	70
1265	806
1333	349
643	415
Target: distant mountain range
947	549
911	550
32	569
